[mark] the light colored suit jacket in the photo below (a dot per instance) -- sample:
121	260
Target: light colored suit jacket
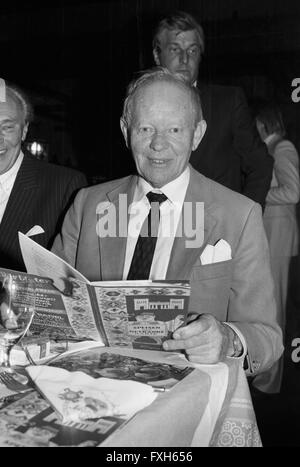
280	213
238	291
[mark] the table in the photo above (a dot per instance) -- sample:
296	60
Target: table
210	407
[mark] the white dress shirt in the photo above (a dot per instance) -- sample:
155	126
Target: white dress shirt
170	212
7	181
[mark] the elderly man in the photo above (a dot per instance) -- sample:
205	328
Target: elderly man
231	152
232	308
33	194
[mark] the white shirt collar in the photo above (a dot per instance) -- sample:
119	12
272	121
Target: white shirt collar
12	172
270	138
174	190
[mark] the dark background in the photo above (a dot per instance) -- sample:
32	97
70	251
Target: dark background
75	59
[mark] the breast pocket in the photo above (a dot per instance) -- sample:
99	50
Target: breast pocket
210	288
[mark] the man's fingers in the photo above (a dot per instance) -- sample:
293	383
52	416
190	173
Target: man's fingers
192	329
173	344
183	344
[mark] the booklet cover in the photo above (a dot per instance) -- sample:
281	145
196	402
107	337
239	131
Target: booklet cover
133	314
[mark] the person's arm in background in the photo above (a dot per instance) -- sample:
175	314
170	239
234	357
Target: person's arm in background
256	163
286	168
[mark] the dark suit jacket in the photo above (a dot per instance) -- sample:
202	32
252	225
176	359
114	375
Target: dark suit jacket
239	290
40	195
231	151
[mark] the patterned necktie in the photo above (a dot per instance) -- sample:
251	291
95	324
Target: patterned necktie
145	246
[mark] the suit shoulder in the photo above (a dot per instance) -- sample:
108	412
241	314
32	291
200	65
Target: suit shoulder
285	146
96	192
226	203
63	172
49	169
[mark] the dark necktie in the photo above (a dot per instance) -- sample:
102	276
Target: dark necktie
145	246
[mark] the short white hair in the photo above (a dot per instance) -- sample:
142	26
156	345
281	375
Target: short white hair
154	75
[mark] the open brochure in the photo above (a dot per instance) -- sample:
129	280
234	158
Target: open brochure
133	314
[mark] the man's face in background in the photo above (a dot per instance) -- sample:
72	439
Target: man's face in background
180	52
12	131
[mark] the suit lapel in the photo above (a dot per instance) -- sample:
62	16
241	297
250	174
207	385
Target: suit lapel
183	256
20	200
187	248
113	248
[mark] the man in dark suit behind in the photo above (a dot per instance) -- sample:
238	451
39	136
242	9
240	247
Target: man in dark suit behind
33	194
231	152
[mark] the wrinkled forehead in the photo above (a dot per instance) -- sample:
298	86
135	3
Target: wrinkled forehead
161	92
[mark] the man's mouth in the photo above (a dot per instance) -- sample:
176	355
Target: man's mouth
158	162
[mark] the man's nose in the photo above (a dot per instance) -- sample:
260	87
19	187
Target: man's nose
184	56
158	142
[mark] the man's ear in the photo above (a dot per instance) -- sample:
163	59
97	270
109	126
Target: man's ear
199	133
24	131
156	57
124	129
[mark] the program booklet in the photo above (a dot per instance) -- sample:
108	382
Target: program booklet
132	314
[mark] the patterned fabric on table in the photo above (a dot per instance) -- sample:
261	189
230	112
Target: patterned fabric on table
236	425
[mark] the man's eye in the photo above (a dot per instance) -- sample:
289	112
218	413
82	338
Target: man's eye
193	51
174	50
7	128
145	129
174	130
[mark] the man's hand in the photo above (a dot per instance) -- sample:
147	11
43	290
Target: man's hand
205	340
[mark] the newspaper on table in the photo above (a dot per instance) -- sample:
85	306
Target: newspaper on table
29	419
133	314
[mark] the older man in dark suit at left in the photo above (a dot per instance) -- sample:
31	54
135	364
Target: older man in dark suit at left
33	194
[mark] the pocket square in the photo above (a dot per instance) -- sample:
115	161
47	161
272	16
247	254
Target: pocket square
37	229
221	251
